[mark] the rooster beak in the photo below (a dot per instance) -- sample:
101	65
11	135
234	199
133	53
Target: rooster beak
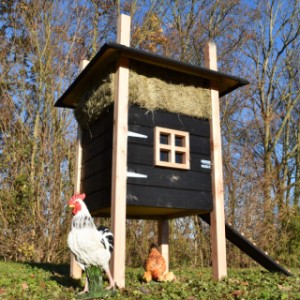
71	205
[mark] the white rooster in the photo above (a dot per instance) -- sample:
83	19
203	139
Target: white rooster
90	246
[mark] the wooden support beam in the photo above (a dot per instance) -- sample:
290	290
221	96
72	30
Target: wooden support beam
123	30
218	240
119	173
75	270
119	163
163	240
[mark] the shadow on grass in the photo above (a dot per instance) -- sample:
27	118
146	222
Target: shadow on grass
60	274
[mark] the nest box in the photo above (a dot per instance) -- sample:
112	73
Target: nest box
168	169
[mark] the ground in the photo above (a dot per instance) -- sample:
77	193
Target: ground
52	282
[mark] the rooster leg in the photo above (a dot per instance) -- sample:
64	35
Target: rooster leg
112	283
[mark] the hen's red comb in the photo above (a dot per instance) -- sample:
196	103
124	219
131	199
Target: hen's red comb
76	196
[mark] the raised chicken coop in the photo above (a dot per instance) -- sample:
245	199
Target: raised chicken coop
168	166
150	144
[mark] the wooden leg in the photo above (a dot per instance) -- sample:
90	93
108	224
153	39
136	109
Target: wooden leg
163	240
218	240
75	270
119	163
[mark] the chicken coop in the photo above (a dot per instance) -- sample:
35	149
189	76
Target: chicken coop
145	134
168	172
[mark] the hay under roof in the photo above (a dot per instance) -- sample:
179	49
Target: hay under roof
155	82
150	89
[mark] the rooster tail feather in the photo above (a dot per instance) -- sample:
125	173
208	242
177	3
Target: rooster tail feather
107	238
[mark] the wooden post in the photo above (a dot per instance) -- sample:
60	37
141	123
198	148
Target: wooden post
218	240
123	30
119	163
75	270
163	240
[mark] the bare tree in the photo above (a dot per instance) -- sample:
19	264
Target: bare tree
42	46
268	129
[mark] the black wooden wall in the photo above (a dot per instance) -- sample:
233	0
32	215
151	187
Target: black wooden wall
97	162
178	190
165	192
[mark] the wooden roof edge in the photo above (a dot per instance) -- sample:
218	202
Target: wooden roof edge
154	59
166	61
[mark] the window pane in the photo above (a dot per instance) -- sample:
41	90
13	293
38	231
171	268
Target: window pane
179	158
164	155
179	141
164	138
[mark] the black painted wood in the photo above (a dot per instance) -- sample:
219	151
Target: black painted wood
97	162
164	188
170	178
97	182
168	187
166	197
143	155
198	143
101	125
142	117
99	200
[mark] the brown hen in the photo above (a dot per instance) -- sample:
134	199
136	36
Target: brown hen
155	264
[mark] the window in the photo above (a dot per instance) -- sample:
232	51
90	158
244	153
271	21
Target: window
171	148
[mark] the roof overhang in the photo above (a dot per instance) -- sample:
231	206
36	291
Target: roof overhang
110	52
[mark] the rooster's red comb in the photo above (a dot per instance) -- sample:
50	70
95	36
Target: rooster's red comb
77	196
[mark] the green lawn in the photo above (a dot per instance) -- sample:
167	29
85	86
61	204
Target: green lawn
47	281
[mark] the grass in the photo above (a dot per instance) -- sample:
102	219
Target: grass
52	282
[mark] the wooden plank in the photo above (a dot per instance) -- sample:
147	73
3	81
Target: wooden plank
77	176
119	169
97	163
97	182
75	270
140	116
150	213
162	197
198	143
143	155
103	124
119	164
250	248
187	203
163	240
218	241
170	178
99	200
83	63
123	30
100	145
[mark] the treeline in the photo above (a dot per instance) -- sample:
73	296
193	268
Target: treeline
41	44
